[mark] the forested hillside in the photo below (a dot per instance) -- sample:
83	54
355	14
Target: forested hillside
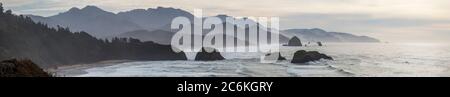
20	37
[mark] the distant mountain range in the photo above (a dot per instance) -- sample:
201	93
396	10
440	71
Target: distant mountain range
153	24
91	19
316	34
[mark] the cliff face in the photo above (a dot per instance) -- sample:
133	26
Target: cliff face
20	37
21	68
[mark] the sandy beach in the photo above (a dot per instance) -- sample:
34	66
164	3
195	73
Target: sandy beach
78	69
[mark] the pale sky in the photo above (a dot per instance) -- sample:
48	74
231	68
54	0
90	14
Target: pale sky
388	20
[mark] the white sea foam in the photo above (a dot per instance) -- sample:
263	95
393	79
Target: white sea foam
372	59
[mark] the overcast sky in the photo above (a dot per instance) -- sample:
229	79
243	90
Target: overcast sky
388	20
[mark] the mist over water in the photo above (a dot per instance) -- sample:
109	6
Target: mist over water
351	59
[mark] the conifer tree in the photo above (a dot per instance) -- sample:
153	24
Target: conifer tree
1	7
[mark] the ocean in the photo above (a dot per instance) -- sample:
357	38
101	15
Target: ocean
350	60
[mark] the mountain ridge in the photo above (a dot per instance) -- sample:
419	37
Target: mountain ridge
316	34
103	24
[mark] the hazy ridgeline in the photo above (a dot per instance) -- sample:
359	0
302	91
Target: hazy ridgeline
20	37
154	24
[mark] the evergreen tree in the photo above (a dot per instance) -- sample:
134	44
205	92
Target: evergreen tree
1	7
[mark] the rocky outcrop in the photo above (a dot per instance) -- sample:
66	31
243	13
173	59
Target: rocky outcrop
319	43
303	56
203	55
21	68
281	57
294	42
270	57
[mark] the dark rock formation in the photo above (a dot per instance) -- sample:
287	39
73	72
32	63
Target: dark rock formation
21	68
303	56
208	56
294	42
270	57
281	57
319	43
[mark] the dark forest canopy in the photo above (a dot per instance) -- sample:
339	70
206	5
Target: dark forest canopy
20	37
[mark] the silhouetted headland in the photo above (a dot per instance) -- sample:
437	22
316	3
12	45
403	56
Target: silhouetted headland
21	37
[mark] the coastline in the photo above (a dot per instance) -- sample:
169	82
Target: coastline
79	69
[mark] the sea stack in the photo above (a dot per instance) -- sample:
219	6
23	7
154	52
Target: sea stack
21	68
270	57
294	41
303	56
319	43
203	55
280	57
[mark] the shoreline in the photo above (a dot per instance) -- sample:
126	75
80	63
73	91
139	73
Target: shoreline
79	69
